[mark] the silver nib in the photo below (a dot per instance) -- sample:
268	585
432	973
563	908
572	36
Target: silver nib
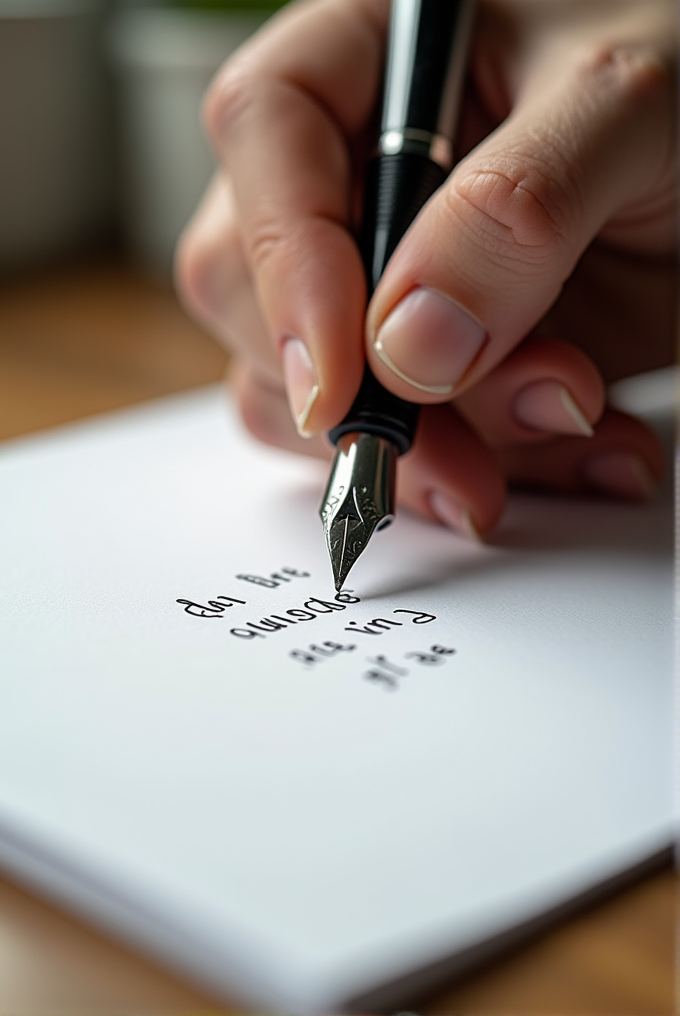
358	499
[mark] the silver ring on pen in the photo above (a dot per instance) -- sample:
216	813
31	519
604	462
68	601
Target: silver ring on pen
435	147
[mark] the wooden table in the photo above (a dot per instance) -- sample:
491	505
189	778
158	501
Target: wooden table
89	338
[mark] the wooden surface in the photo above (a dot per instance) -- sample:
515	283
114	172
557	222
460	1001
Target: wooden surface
86	339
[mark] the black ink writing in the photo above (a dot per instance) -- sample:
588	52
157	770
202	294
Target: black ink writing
420	616
315	654
434	657
387	674
383	671
276	579
383	624
214	609
311	609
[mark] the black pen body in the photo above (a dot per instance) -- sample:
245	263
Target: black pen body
423	81
425	62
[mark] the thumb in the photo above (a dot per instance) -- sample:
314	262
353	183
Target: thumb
490	252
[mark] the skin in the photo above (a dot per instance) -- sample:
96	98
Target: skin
542	270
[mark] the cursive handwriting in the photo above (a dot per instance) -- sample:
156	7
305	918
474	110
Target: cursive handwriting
310	610
383	671
384	623
214	608
388	674
276	579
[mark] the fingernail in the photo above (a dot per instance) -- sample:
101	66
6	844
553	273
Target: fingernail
549	406
453	514
623	473
301	382
429	341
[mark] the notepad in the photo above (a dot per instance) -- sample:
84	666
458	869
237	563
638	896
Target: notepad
313	802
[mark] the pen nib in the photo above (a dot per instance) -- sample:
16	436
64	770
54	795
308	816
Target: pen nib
358	499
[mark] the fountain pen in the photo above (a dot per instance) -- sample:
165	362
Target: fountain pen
425	62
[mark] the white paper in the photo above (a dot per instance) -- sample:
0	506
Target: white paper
298	826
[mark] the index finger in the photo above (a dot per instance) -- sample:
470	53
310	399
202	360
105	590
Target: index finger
283	116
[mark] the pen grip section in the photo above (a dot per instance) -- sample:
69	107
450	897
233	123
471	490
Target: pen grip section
396	188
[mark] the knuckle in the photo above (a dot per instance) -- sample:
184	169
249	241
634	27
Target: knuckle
633	72
266	244
208	262
228	98
517	211
274	244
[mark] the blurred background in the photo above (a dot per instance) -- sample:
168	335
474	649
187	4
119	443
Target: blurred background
102	160
99	120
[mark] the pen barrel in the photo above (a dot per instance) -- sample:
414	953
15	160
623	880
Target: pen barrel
427	46
396	188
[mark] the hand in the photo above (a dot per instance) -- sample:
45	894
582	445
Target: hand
541	270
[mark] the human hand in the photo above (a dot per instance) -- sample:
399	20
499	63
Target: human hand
489	313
